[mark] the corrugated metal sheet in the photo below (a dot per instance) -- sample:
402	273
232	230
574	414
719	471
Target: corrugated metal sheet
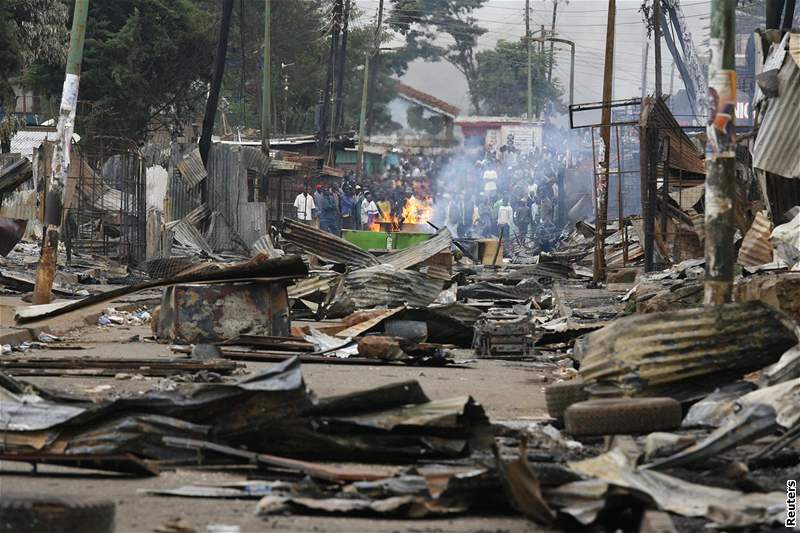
756	248
25	142
683	153
326	246
777	145
191	168
308	286
385	286
683	354
417	254
188	235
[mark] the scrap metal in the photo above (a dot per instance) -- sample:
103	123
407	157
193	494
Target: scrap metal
326	246
683	354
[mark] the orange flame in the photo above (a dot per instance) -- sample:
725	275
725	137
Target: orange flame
417	211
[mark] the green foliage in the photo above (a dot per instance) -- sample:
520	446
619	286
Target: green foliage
502	85
422	23
300	40
143	58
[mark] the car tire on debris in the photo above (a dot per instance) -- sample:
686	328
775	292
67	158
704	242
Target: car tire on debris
559	396
622	415
55	514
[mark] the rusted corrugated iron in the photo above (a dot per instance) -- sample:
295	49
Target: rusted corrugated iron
385	286
683	153
683	354
777	145
326	246
417	254
192	169
756	248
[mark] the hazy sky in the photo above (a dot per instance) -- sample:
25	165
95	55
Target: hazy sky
582	21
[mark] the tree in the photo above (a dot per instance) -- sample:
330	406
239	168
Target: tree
502	84
300	40
143	59
422	23
30	32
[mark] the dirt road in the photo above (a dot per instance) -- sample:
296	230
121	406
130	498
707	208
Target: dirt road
506	390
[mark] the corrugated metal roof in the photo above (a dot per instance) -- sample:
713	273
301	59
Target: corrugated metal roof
325	246
385	286
417	254
25	142
777	145
756	248
426	100
683	354
192	169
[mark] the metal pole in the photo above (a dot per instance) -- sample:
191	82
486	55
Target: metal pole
369	82
552	34
657	44
266	80
571	73
59	171
528	47
645	53
362	122
720	155
599	266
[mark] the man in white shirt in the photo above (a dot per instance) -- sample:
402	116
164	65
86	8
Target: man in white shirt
304	206
369	211
504	217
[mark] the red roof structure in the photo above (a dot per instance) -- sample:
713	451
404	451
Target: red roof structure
426	100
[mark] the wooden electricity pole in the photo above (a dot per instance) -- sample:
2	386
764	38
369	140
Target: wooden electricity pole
657	44
720	155
266	78
369	81
54	199
552	34
528	47
601	188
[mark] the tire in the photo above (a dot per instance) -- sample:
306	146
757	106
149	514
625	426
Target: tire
55	514
622	415
559	396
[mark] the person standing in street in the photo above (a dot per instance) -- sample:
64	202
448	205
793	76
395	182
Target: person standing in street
329	212
317	202
505	215
304	206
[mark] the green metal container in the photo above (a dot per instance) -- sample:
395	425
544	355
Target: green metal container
407	240
366	240
381	240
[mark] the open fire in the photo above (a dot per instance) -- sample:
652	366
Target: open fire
416	212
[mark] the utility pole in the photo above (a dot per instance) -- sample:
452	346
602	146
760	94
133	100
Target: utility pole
327	111
601	190
338	115
54	199
284	67
368	82
266	78
720	155
645	53
552	34
528	46
216	85
362	121
657	44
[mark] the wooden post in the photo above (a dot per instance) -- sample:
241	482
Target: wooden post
720	155
601	193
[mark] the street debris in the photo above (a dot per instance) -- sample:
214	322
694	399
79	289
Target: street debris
623	294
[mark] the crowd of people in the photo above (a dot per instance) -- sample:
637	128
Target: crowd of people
479	192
